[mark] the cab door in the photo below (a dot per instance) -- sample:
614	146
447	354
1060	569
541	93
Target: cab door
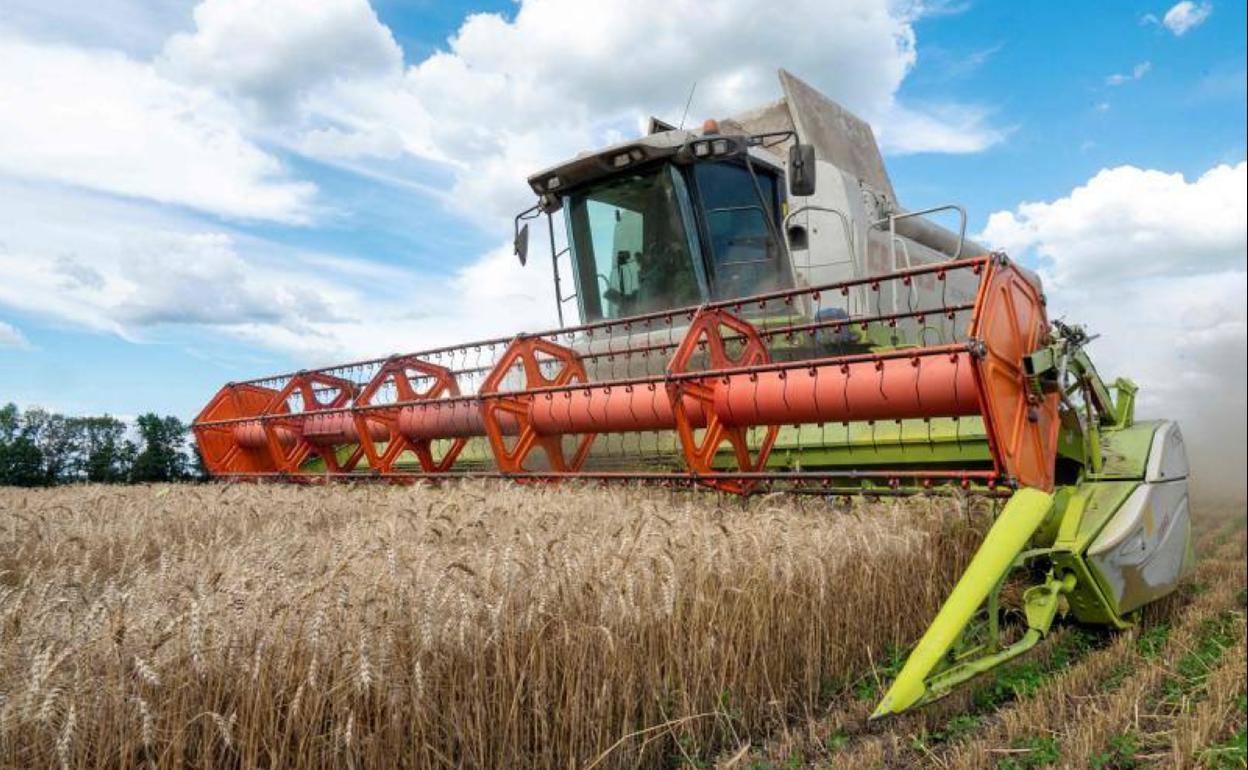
739	230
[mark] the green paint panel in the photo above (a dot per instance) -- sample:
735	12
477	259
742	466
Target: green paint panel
938	442
1083	512
1018	521
1070	440
1103	500
941	441
1126	451
1087	600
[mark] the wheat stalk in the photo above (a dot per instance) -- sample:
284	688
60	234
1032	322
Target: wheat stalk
469	624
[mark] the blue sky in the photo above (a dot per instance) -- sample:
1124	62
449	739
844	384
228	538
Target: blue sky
198	192
1044	74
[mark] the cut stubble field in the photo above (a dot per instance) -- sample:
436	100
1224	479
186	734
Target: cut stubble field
487	625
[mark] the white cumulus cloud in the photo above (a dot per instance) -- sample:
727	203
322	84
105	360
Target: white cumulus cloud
508	96
271	53
138	27
12	337
1137	72
116	267
1156	265
109	159
1128	222
1186	15
104	121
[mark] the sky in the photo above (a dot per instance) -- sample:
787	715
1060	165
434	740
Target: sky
199	192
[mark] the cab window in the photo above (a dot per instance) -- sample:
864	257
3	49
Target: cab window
744	256
631	246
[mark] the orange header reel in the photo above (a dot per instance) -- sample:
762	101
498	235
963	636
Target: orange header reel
692	395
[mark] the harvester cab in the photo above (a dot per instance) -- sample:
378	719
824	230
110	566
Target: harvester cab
757	312
679	218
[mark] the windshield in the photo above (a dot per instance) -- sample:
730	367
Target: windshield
745	257
630	245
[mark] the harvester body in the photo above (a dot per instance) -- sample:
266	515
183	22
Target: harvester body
708	212
746	329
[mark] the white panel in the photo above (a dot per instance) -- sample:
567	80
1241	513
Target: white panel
1126	521
1167	459
832	228
1144	549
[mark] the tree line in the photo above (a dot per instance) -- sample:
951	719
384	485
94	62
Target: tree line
42	448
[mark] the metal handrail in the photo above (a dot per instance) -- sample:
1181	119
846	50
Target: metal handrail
909	264
891	219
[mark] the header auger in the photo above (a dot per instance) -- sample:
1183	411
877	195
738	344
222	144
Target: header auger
742	339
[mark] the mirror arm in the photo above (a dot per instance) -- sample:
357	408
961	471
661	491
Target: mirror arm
532	212
771	138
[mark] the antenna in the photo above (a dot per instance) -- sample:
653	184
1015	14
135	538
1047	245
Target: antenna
688	101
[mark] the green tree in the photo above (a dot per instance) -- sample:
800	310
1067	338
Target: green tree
106	455
58	441
42	448
10	422
21	463
199	470
161	455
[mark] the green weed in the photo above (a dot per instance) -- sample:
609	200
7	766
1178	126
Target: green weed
1116	676
871	686
1121	754
1232	755
836	741
1041	751
1152	640
1214	637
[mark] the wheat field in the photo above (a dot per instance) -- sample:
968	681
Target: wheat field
488	625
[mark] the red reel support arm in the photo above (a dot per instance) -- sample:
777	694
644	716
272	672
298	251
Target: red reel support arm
289	455
705	335
400	372
500	410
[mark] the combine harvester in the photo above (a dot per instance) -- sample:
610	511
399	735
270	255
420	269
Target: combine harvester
744	329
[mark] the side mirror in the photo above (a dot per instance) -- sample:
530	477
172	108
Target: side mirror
801	170
521	244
